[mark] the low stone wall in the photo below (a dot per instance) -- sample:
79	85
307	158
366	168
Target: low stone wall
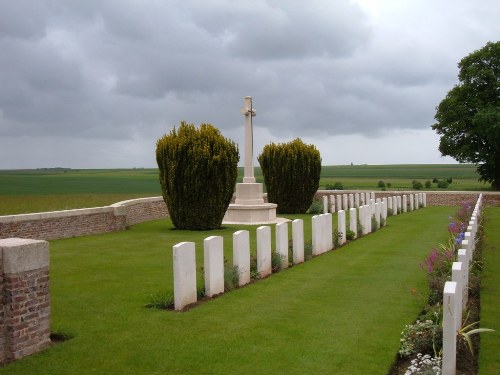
434	198
82	222
24	298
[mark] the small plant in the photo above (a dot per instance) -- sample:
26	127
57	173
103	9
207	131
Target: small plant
254	274
161	300
374	224
316	207
350	235
381	184
428	184
276	261
449	180
389	184
308	250
231	277
382	222
200	292
424	364
466	332
435	180
329	187
418	337
336	238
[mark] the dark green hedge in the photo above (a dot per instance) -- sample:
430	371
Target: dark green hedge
198	170
291	174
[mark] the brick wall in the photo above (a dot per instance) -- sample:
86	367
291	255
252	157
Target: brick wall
82	222
25	295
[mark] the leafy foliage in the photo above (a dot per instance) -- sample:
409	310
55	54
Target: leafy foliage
198	170
468	118
291	174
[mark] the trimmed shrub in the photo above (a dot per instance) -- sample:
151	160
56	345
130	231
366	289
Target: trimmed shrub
442	184
198	170
291	174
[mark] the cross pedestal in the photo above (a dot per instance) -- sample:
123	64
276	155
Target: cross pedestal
249	206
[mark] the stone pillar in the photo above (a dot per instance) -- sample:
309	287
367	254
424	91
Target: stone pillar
241	255
353	221
405	203
341	227
282	242
298	241
25	298
264	251
449	365
213	260
248	112
184	274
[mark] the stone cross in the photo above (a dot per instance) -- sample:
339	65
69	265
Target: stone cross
248	112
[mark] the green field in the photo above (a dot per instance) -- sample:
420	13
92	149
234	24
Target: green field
25	191
339	313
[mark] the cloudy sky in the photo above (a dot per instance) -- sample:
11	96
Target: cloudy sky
94	84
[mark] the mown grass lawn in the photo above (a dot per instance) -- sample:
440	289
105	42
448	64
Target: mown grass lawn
339	313
489	352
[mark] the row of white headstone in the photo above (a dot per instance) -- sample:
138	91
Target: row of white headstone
184	254
405	202
455	293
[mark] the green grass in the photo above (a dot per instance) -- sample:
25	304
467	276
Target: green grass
26	191
489	358
340	313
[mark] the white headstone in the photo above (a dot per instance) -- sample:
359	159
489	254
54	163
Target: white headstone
341	226
457	276
316	234
351	201
184	274
356	200
339	202
345	204
264	251
241	255
449	364
405	203
282	242
298	241
353	221
332	203
328	231
213	255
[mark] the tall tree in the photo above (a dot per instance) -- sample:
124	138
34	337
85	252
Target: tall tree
468	118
